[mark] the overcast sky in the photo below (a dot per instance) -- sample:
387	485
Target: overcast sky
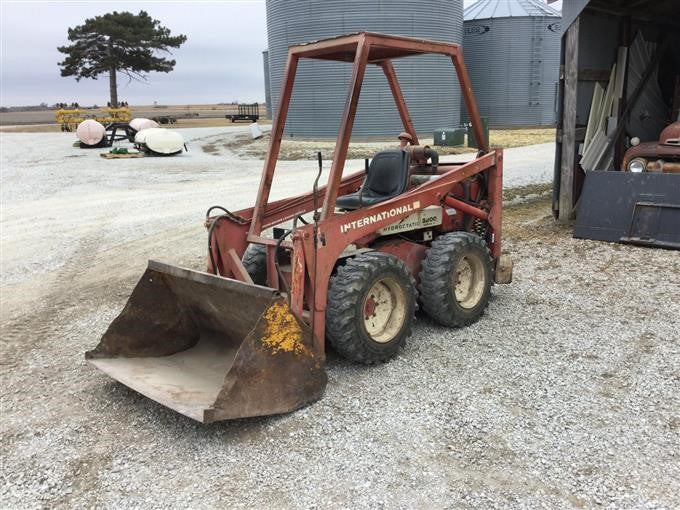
220	62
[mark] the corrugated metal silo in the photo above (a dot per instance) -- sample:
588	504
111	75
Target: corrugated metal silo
267	88
512	51
428	82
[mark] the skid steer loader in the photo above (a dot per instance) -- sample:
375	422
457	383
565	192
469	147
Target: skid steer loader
247	337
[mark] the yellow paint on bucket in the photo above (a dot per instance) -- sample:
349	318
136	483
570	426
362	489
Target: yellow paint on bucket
283	331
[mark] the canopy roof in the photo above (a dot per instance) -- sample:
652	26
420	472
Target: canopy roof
382	47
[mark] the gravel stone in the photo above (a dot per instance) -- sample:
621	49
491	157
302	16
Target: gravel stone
565	394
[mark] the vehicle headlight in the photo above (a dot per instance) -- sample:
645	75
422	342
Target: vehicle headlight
637	165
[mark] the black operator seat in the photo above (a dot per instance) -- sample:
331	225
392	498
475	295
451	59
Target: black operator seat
387	177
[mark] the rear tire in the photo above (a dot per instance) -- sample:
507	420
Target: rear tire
455	280
371	305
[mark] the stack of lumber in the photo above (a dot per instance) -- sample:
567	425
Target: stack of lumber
644	98
597	153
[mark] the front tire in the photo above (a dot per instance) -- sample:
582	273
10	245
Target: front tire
371	306
255	262
455	280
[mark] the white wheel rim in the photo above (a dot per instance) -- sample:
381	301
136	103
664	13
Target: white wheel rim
468	281
384	310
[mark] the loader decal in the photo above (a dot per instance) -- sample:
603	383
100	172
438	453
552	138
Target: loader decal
375	218
424	218
283	331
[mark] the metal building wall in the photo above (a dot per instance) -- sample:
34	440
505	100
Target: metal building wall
514	67
428	82
267	87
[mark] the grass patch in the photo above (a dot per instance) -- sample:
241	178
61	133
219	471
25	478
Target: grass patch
528	192
291	150
507	138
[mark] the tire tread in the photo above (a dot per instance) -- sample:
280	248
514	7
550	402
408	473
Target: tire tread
435	277
345	290
255	262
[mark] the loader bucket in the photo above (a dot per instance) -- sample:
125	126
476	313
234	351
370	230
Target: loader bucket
211	348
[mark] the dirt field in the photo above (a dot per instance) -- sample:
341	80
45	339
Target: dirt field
565	394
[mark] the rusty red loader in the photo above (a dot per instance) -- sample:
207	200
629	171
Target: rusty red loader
345	264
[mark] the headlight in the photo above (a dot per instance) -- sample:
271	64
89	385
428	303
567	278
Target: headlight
637	165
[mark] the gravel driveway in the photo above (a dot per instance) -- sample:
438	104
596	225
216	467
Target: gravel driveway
565	394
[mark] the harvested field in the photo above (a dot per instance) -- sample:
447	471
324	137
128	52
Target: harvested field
30	120
180	124
565	394
291	149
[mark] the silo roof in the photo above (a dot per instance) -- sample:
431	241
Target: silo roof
485	9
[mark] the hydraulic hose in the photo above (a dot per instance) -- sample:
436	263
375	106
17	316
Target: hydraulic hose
227	214
210	237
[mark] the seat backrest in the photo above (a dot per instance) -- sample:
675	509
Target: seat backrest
388	173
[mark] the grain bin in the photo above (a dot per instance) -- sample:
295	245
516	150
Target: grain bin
512	51
430	89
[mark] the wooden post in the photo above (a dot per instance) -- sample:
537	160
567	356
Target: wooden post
568	128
